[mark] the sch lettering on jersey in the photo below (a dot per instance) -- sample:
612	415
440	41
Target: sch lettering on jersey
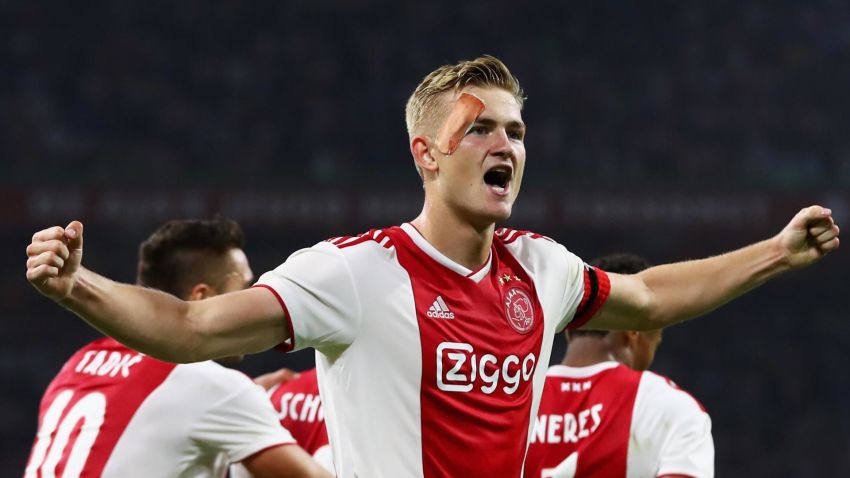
461	369
567	428
300	407
101	363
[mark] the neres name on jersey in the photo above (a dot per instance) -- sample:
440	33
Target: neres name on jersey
567	428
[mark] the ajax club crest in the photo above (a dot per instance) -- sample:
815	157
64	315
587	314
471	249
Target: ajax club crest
519	310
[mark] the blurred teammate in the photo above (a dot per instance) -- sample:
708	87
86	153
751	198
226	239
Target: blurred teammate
430	333
299	408
114	412
296	399
602	415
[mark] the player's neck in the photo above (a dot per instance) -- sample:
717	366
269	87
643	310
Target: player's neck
584	353
456	238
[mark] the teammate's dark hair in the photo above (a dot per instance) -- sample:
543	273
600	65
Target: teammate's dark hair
621	263
618	264
182	253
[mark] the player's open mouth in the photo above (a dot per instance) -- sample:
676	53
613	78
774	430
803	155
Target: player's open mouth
499	179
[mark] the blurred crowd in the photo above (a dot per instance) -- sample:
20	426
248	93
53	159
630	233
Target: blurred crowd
633	93
746	96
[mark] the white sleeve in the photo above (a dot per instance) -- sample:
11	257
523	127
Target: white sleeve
559	275
238	470
574	290
317	291
689	448
241	424
572	283
673	423
324	456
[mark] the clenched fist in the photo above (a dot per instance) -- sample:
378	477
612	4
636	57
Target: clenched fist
54	257
810	235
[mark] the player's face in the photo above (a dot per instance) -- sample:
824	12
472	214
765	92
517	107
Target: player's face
238	275
645	347
482	178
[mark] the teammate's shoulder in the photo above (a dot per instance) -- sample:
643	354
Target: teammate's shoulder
211	376
507	236
610	369
306	381
378	238
659	388
104	343
308	376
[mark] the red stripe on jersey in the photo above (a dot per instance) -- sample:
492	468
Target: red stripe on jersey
510	235
597	287
287	345
376	235
92	386
354	242
299	408
587	416
476	384
384	240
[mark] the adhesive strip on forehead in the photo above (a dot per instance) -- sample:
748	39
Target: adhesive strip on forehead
466	110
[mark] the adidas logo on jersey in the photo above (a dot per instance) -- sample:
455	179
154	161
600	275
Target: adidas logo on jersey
439	310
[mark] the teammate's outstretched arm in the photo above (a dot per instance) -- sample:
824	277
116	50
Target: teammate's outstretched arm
147	320
283	462
670	293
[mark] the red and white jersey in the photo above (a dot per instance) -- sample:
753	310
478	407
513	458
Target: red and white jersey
114	412
299	408
609	420
428	368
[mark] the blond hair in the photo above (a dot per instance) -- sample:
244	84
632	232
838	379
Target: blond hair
425	107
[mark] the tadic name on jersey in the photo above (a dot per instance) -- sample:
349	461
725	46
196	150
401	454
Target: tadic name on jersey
101	363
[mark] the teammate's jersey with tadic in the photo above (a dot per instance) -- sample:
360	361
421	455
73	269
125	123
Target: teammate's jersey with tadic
114	412
427	368
609	420
299	408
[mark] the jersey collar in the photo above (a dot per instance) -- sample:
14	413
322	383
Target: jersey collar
475	275
580	372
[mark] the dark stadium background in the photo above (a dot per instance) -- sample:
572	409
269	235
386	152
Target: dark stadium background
675	129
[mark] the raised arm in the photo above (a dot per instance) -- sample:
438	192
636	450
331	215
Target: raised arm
663	295
147	320
284	462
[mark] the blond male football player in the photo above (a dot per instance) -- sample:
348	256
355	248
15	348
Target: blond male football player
430	334
114	412
602	414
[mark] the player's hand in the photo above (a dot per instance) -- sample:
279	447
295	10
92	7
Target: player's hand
810	235
278	377
53	259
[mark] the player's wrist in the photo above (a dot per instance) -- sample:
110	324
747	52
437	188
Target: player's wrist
779	255
80	291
